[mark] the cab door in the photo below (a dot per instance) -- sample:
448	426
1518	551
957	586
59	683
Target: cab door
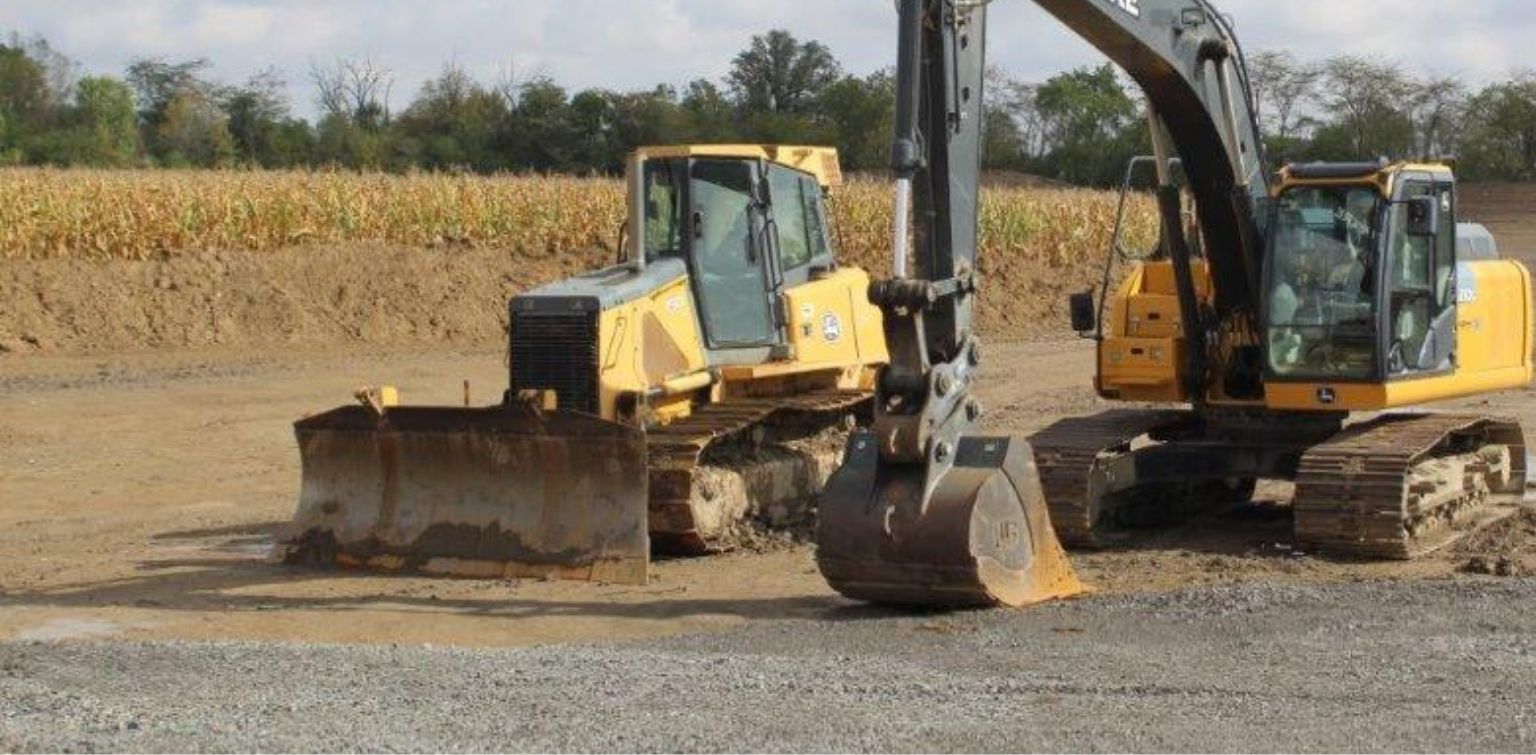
730	257
1421	280
799	222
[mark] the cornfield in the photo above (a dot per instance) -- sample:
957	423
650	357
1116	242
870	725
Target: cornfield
136	215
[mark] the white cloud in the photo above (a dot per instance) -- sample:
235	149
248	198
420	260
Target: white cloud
627	44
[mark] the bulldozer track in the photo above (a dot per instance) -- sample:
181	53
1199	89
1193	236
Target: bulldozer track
1403	486
676	451
1070	456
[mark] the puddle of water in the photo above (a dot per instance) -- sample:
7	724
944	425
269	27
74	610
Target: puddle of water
70	629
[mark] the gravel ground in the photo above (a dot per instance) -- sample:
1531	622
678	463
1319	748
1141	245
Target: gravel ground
1360	667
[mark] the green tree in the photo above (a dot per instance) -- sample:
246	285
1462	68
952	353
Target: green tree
640	119
1283	87
1499	142
861	113
257	111
453	123
353	96
102	128
1368	100
294	143
1437	107
1009	106
193	131
778	73
158	82
710	115
538	133
1090	126
26	103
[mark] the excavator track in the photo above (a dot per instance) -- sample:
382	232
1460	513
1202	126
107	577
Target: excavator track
678	450
1403	486
1071	456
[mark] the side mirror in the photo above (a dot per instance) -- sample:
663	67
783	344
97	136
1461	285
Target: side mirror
1423	216
1085	316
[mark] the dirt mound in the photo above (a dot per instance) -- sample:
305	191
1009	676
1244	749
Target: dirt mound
358	293
311	295
1507	549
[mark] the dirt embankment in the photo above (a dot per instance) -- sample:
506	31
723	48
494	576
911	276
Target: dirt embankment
367	294
356	294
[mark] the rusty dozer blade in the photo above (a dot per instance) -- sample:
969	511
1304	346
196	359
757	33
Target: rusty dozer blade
499	492
984	539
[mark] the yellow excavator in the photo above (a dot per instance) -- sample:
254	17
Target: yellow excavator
652	405
1305	313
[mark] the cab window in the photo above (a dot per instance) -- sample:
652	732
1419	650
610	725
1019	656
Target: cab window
789	215
798	214
1321	306
663	194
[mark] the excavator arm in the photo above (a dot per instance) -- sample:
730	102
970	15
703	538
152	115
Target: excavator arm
923	511
1186	58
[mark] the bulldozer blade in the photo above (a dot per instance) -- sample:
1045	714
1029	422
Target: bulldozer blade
500	492
983	540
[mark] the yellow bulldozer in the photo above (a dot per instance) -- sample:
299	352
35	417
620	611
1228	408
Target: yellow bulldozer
728	327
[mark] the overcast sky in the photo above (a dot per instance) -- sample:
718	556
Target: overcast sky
628	44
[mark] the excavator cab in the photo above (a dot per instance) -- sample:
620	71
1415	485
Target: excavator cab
1361	275
1369	303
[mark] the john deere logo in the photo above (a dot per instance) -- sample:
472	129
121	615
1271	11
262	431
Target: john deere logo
831	327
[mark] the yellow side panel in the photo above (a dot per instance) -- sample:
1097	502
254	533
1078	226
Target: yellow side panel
647	341
1139	359
1493	329
832	323
1154	316
1140	369
1160	279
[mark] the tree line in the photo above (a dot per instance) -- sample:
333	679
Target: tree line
1078	127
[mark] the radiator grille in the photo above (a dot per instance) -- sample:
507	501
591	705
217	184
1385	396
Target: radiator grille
557	352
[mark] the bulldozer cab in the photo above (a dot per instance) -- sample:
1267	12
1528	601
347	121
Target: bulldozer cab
748	222
1361	280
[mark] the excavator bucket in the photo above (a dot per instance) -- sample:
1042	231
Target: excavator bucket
984	538
499	492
